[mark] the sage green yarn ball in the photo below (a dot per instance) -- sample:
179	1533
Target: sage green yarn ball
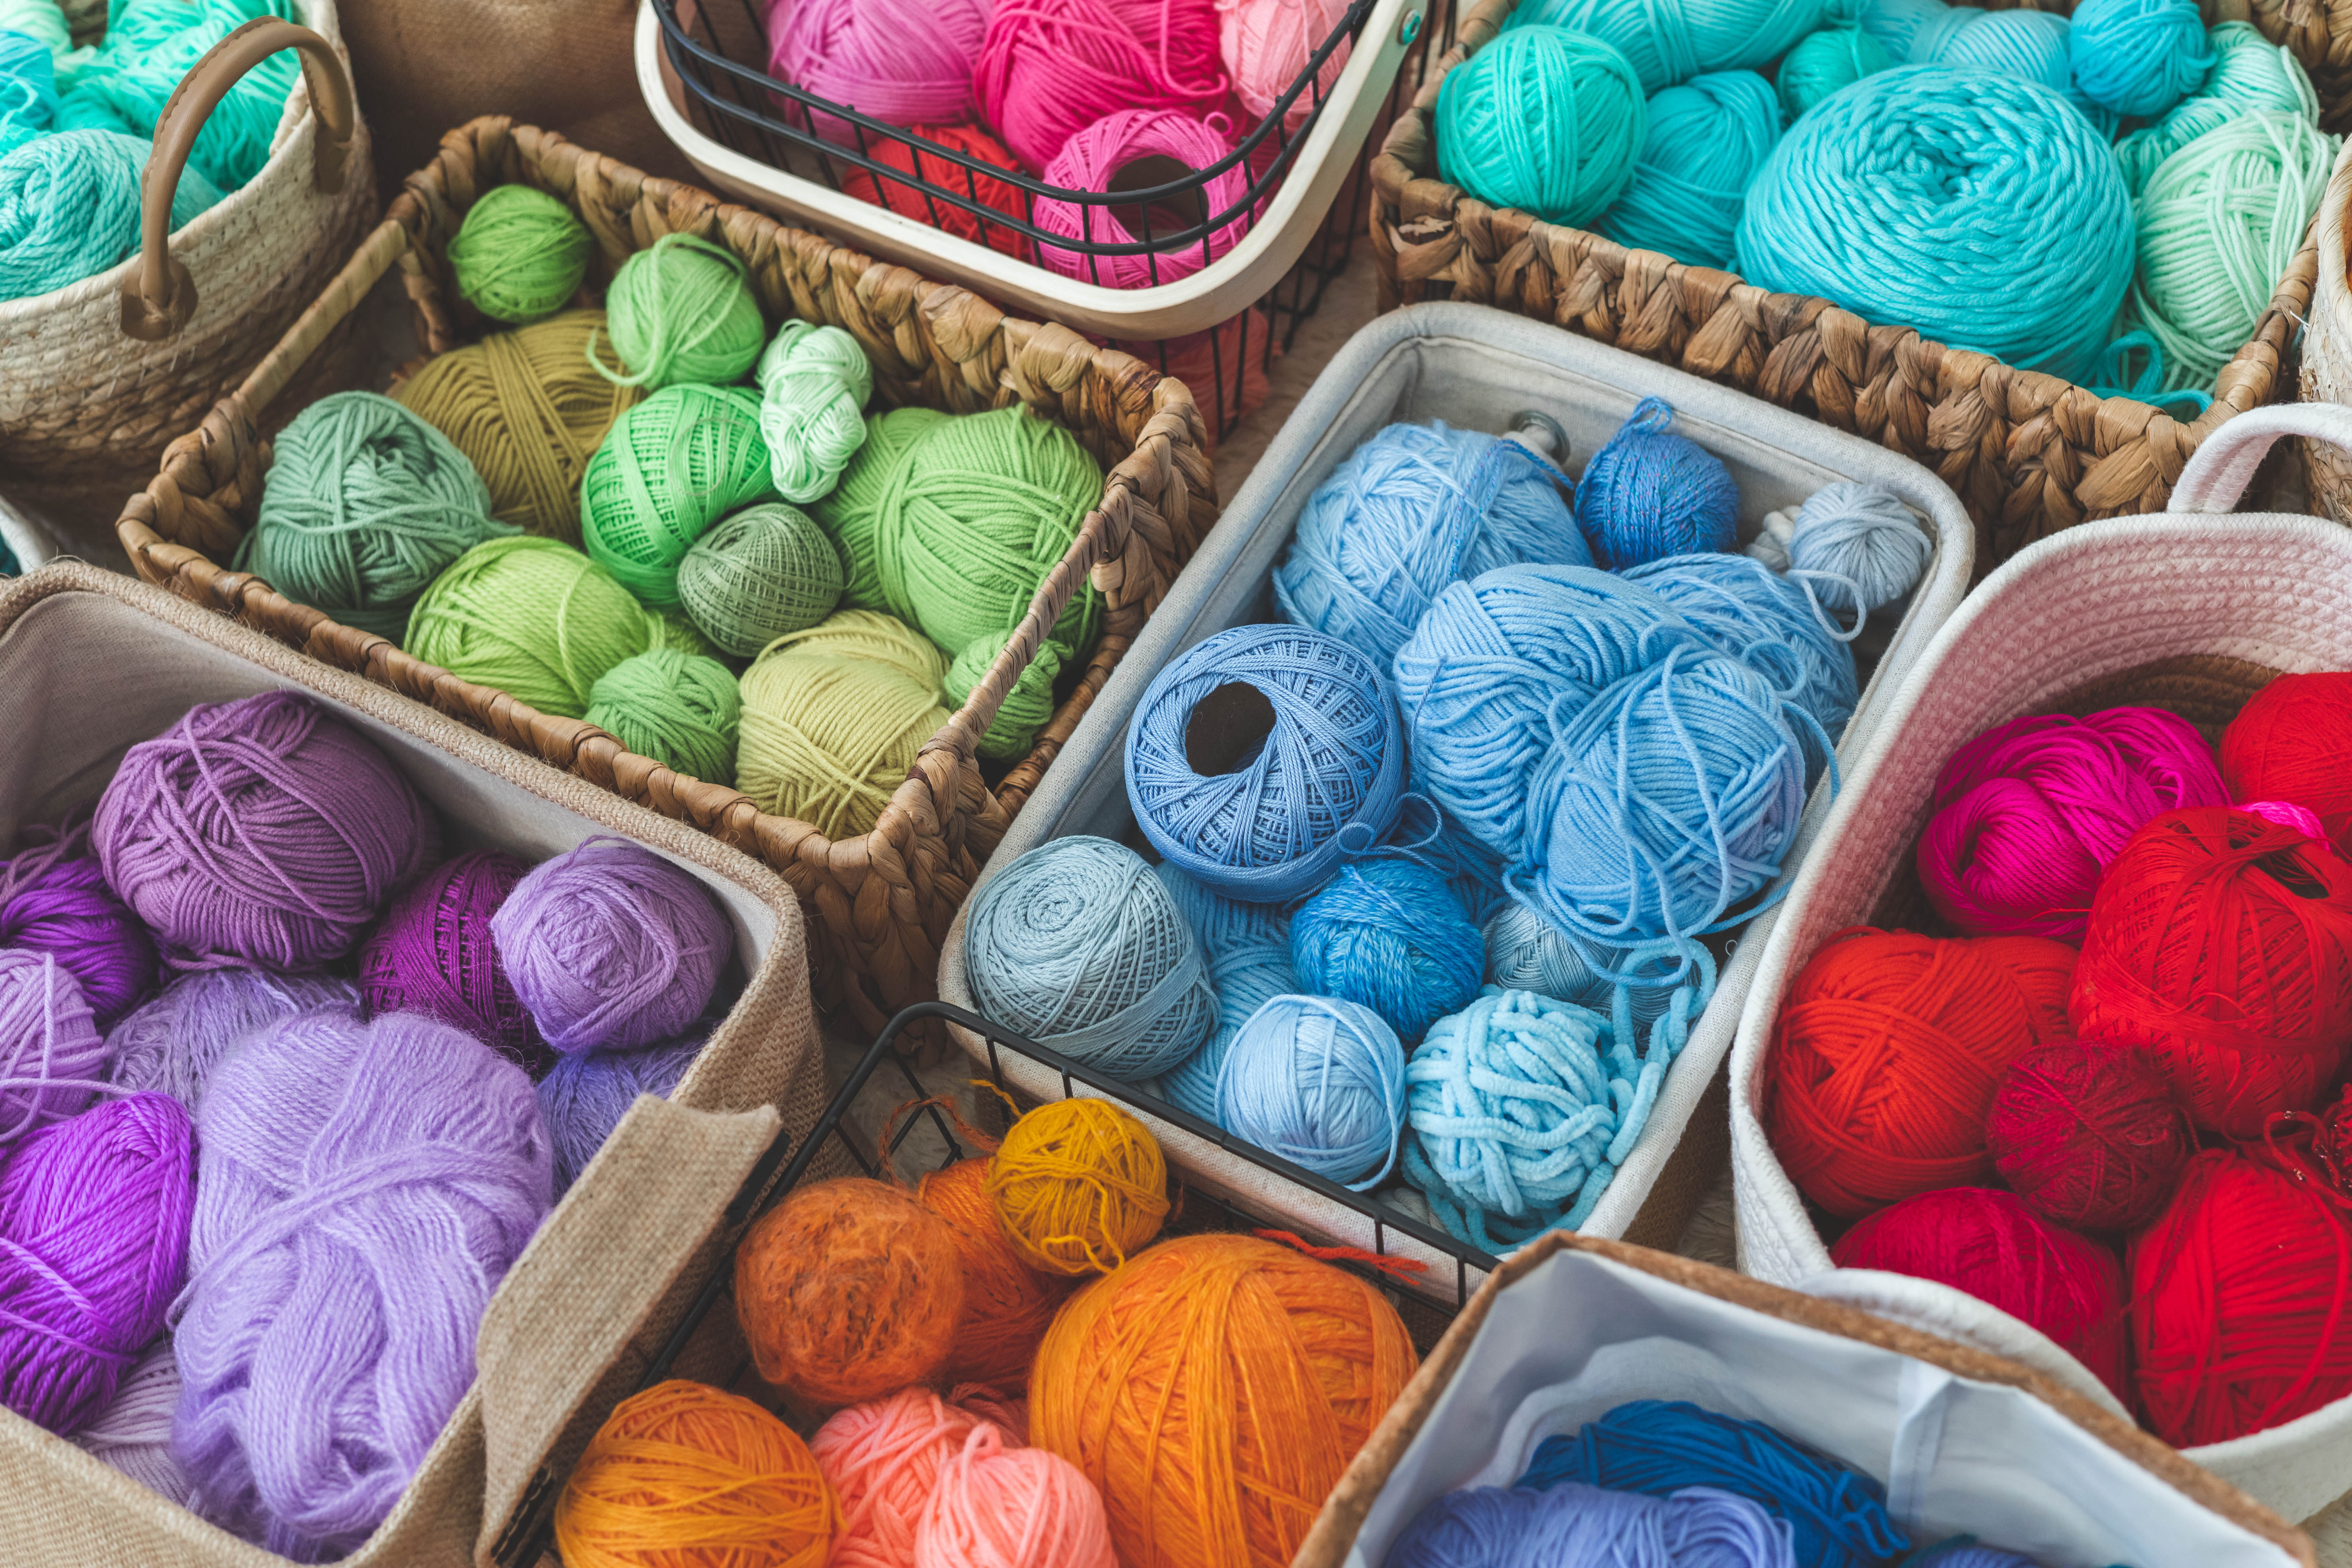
669	468
364	506
1824	61
1543	120
678	709
852	512
767	570
520	254
681	311
814	383
1026	708
533	618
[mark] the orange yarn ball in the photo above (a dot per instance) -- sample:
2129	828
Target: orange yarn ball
1007	1305
848	1290
684	1476
1002	1506
1078	1186
1213	1390
883	1462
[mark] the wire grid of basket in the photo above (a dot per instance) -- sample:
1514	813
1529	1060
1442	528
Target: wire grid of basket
2027	453
881	903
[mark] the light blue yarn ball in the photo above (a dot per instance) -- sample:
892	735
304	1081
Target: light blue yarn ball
1248	952
1320	1082
1985	212
1415	508
1910	30
2139	58
69	208
1858	546
1525	951
1389	934
29	90
586	1094
1544	119
1671	41
1824	62
1077	945
1707	139
1650	493
1265	824
1769	623
2030	46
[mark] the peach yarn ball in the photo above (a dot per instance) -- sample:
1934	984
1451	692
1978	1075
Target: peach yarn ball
882	1460
1078	1186
998	1505
1007	1305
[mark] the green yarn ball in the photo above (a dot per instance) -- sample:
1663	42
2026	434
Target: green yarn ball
1543	120
766	571
520	254
669	468
1825	61
364	506
2249	75
850	514
1026	708
682	311
536	619
814	383
680	710
834	716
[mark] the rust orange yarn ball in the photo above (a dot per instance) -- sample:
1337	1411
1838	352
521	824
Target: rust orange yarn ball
1007	1305
1213	1390
1079	1185
848	1290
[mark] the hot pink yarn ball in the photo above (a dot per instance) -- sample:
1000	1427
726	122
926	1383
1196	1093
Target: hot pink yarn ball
52	1060
1048	68
433	954
1093	158
905	61
2286	814
1267	45
1001	1506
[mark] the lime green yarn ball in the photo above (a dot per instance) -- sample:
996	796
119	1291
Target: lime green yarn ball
678	709
852	511
833	720
669	468
682	311
520	254
1825	61
767	570
533	618
1026	708
1543	120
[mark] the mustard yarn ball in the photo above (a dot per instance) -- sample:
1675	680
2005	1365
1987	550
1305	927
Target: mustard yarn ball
671	466
1079	1185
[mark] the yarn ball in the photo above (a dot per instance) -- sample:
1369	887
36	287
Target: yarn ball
1028	706
848	1290
378	1177
670	468
813	385
2249	75
1544	119
1267	45
2090	1136
133	1433
834	718
905	61
1001	1505
1048	68
69	208
1006	1304
611	947
1094	157
586	1094
2288	744
1526	952
365	504
2286	814
93	1247
172	1044
1307	743
1888	1051
2222	943
2029	813
1078	1185
765	571
54	899
1319	1081
684	1474
1650	493
1214	1390
1573	1524
1774	625
1824	62
1705	140
1670	45
682	311
1863	201
982	196
1247	948
264	830
1389	934
1416	508
29	85
882	1462
851	515
2138	58
1470	1527
682	709
520	254
433	954
1859	546
150	47
2023	45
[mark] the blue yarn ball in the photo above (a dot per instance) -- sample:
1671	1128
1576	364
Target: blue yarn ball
586	1094
1319	1081
1967	1551
1266	825
2139	58
2029	46
1428	836
29	90
1389	934
1525	951
1858	546
1746	609
1248	952
69	208
1544	119
1415	508
1474	1527
1671	41
1910	31
1707	139
1650	493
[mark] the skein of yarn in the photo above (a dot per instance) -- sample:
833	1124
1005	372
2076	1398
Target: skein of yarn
1048	68
2249	75
1774	625
520	254
1824	61
1705	140
586	1094
1319	1081
150	47
985	193
669	468
1247	948
765	571
905	61
1093	159
1543	119
813	385
834	718
1079	1186
1859	546
852	516
2288	744
1267	45
2138	58
1651	493
1670	46
1007	1305
69	208
434	954
1027	708
882	1462
2023	45
54	899
682	709
133	1433
681	311
1390	935
1000	1505
28	86
172	1043
2090	1136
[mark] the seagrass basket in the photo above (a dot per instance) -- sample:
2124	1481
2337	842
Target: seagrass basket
2027	453
881	903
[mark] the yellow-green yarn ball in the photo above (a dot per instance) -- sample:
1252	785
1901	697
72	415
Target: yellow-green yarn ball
669	468
832	718
682	311
851	512
520	254
1025	707
765	571
532	618
679	708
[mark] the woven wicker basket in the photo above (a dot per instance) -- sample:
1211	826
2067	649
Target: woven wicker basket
881	903
2027	453
2326	374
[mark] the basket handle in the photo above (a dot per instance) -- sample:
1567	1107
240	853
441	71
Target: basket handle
160	296
2223	465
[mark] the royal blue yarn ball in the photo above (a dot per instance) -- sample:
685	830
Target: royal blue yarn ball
1769	623
1319	1081
1650	493
1390	934
2138	58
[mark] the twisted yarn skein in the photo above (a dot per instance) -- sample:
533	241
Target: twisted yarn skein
1092	159
1651	493
882	1461
1391	935
28	88
520	254
669	468
54	899
852	514
765	571
1667	44
133	1433
2249	75
834	718
1705	140
901	61
434	954
1048	68
1027	708
1859	546
985	194
2138	56
1775	625
1247	948
172	1043
813	385
1267	43
1000	1505
69	208
682	709
1079	1186
1007	1305
1319	1081
1822	62
2287	744
1543	119
586	1094
2089	1136
681	311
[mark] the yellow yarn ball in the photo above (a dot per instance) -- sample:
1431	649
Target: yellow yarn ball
832	718
1079	1185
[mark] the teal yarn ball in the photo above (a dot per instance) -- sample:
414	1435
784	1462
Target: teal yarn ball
2030	46
682	709
29	90
1670	41
1825	61
149	47
69	208
1247	948
681	311
520	254
2139	58
1650	493
1707	139
1319	1081
1391	935
364	506
1543	120
2249	75
1984	212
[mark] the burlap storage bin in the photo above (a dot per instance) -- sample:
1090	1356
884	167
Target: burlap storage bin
92	662
881	902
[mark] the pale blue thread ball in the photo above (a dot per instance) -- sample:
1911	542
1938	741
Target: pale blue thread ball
1525	951
1769	622
1671	41
69	208
1247	948
1707	139
1544	119
1858	546
586	1094
2139	58
1319	1081
1389	934
1650	493
1824	62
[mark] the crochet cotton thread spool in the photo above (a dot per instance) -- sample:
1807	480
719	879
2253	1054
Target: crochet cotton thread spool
2138	58
2249	75
586	1094
1007	1305
1389	934
669	468
765	571
520	254
1048	68
1079	1186
1651	492
882	1461
813	385
1001	1505
851	515
133	1433
54	898
2287	743
987	196
69	208
2089	1136
901	61
1247	948
434	954
681	311
1319	1081
1267	45
1706	139
1027	708
833	717
682	709
1859	545
1092	159
1545	120
1824	61
1668	46
1774	625
172	1043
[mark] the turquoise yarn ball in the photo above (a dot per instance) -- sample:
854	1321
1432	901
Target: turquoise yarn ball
1543	120
29	90
1825	61
1767	622
1911	31
1671	41
1651	493
1986	213
1389	934
69	208
1706	142
2139	58
150	47
2030	46
1248	951
1320	1082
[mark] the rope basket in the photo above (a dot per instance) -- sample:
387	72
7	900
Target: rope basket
880	903
2027	453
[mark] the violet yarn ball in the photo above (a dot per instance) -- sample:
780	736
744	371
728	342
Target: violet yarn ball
54	898
52	1057
586	1093
172	1043
433	954
364	1188
261	831
611	947
94	1217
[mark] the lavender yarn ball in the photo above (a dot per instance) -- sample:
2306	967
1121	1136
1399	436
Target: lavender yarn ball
433	954
364	1188
172	1043
260	831
611	947
133	1433
54	898
586	1093
52	1058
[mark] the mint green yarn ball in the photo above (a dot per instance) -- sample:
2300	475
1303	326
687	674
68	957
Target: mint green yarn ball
1026	709
669	468
1825	61
69	208
2249	75
1707	139
679	708
1668	42
1543	120
520	254
681	311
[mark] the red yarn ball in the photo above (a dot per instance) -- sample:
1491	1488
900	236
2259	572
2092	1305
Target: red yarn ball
2222	943
2089	1136
912	201
1991	1246
2292	742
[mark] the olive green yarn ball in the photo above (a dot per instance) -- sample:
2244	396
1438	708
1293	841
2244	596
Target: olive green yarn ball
520	254
682	311
767	570
1025	707
852	511
832	718
679	708
669	468
533	618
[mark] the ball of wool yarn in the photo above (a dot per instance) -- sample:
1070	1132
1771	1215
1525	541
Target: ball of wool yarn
681	311
1078	1185
150	47
1096	157
379	1177
1666	45
1389	934
985	193
1048	68
433	954
533	618
2023	45
1027	708
1526	952
813	385
1824	62
1769	622
852	514
829	731
882	1461
172	1044
1473	1525
93	1247
2249	75
1544	119
848	1290
586	1094
765	571
681	709
1267	46
671	466
1413	510
263	831
611	947
69	208
1650	493
1319	1081
1705	140
2089	1136
365	505
1911	31
54	899
1247	947
1578	1524
28	86
1000	1505
1856	200
2288	744
133	1433
1006	1304
527	412
520	254
1887	1053
2138	56
1860	546
906	62
682	1473
1211	1373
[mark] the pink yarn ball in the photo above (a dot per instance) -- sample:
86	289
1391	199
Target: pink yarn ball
998	1506
905	61
1267	45
1092	159
1048	68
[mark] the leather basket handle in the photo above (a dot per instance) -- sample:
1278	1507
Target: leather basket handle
160	296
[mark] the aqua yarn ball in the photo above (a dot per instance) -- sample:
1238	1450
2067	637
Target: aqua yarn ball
2029	46
1745	609
1671	41
1650	493
1824	62
1320	1082
1858	547
1389	934
1247	948
1544	119
1910	31
149	47
2139	58
682	709
1984	212
1415	508
2250	74
69	208
1707	139
29	90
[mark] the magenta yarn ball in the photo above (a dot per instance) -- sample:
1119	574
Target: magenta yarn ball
52	1058
908	62
433	954
54	898
172	1043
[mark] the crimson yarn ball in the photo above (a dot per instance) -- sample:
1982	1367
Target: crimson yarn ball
433	954
2291	742
2089	1136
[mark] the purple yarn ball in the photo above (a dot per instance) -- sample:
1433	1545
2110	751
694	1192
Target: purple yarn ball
586	1093
261	831
611	947
133	1433
52	1060
172	1044
364	1188
433	954
54	898
93	1246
